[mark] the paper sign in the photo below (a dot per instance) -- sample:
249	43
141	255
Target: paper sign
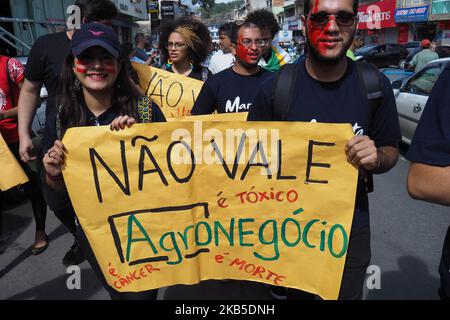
177	203
12	173
175	94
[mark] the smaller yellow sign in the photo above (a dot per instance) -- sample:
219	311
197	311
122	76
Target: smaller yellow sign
175	94
12	173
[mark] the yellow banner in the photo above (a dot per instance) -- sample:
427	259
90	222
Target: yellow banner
175	94
240	116
11	172
178	203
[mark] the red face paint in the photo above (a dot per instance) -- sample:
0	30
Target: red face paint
316	7
249	55
242	53
110	66
323	38
81	67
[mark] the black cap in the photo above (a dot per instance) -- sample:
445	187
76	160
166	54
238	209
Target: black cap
92	35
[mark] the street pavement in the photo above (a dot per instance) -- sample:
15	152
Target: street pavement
407	238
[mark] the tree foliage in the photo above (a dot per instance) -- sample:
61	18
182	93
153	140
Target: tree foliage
205	4
218	9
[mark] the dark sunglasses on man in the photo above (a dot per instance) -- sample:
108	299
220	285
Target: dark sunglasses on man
342	19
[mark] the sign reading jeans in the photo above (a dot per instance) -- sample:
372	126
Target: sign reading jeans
177	203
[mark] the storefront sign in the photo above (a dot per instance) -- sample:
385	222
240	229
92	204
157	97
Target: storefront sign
134	8
440	10
167	10
378	15
413	14
294	24
152	6
285	36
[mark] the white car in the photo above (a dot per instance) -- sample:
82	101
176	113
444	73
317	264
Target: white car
411	95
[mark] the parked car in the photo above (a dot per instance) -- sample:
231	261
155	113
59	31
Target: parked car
382	55
411	95
411	46
394	74
443	51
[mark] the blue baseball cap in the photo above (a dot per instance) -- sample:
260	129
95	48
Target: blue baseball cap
95	34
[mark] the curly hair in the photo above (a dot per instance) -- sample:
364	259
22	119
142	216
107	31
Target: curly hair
195	34
264	20
97	10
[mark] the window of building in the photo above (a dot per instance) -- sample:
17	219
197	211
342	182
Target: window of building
440	7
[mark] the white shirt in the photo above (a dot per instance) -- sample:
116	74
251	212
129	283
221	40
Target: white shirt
220	61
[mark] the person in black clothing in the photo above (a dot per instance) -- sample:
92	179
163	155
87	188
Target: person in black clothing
185	45
233	89
43	68
328	89
429	171
94	90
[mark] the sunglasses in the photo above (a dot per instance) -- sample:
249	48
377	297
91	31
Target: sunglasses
342	19
175	46
247	42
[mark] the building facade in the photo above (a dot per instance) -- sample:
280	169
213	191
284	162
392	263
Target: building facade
403	21
26	20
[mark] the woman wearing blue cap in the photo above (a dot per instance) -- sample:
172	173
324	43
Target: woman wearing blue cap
95	89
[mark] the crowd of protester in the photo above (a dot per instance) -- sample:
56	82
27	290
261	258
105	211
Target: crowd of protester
91	82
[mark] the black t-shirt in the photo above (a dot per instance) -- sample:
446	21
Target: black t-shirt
44	65
198	73
228	91
341	101
109	115
431	141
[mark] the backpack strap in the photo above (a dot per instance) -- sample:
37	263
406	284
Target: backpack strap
145	109
283	90
372	82
8	76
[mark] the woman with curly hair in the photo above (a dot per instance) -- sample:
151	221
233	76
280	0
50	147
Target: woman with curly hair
185	44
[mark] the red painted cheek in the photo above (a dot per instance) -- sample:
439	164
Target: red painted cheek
242	53
111	70
110	67
80	67
314	34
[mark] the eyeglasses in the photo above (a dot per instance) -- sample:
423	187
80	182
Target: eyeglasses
175	46
342	19
259	43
